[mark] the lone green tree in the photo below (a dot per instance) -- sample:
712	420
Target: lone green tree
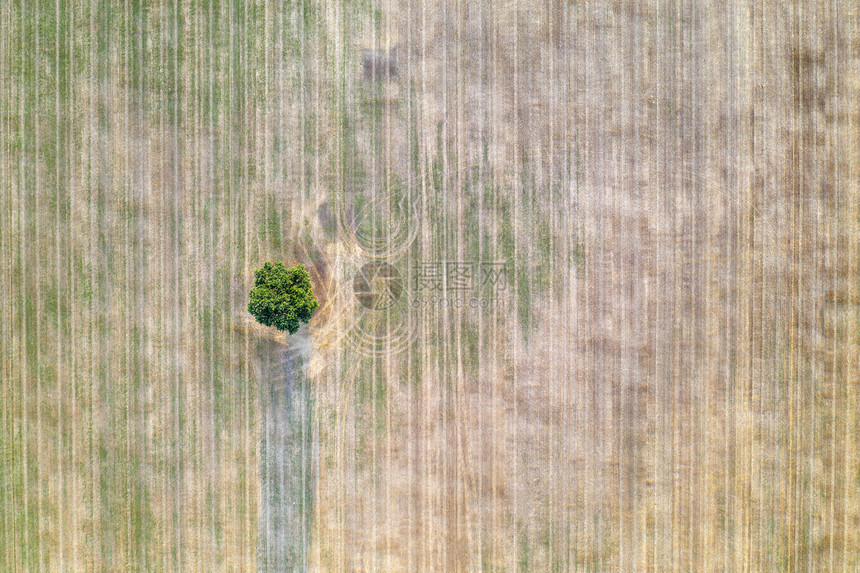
282	297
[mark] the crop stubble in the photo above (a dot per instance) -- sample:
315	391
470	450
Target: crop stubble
671	382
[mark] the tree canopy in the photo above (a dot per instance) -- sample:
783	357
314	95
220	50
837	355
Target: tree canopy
282	297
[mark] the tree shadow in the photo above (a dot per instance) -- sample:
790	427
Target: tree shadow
287	455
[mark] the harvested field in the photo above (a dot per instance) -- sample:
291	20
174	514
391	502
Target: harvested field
589	276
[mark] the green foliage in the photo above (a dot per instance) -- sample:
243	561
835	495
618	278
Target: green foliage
282	297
